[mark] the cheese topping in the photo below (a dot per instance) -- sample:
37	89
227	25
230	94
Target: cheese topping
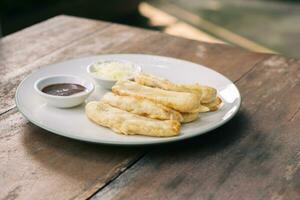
114	70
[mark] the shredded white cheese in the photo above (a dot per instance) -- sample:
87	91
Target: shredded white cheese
113	70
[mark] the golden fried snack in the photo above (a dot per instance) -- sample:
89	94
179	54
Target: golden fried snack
141	106
158	82
189	117
207	94
180	101
214	105
127	123
200	109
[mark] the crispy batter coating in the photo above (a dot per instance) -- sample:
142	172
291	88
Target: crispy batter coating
128	123
141	106
213	106
189	117
207	94
180	101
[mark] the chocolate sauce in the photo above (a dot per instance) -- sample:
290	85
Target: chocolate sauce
63	89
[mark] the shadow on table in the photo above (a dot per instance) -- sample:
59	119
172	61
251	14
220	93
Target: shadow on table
76	159
66	155
213	141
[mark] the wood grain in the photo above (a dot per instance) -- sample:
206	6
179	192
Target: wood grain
35	163
231	61
60	184
255	156
34	43
124	39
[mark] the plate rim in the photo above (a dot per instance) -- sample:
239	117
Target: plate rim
130	143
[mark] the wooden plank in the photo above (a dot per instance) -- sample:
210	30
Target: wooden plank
231	61
34	43
255	156
39	40
124	39
35	164
94	43
67	168
34	159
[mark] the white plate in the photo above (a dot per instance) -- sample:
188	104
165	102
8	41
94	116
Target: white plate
74	124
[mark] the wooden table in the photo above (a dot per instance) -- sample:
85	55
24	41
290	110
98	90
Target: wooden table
255	156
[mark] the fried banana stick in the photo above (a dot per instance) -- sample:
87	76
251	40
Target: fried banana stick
201	109
207	94
180	101
127	123
214	105
142	107
189	117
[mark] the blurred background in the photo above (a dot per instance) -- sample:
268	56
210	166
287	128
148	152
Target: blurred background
257	25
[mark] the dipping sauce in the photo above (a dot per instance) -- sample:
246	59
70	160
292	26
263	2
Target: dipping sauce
63	89
114	70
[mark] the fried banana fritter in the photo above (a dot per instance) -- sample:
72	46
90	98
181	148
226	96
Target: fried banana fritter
207	94
128	123
141	106
180	101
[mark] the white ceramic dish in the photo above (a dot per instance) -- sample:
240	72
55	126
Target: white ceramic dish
63	101
73	123
107	83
